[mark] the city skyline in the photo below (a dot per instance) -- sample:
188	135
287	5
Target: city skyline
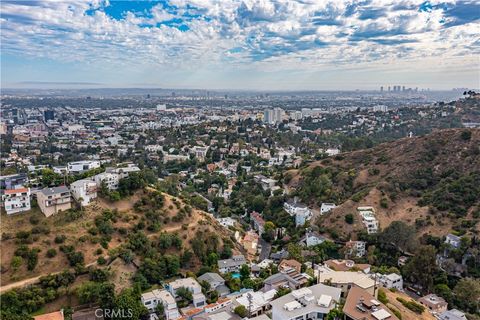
249	45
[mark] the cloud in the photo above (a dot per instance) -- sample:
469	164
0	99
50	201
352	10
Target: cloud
231	34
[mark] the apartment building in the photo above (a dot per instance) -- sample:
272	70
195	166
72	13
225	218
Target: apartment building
16	200
54	200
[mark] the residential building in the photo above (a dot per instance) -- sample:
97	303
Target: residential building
288	264
355	249
257	302
310	303
361	305
231	265
257	222
453	240
391	280
345	280
250	243
82	166
111	180
16	200
124	172
56	315
312	238
347	265
434	303
54	200
84	191
369	219
301	212
453	314
13	181
193	286
216	283
151	299
284	280
326	207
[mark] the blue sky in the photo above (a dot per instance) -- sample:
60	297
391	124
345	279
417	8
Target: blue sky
240	44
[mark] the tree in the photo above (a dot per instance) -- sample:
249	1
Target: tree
160	310
129	301
244	272
400	235
349	218
241	311
185	294
467	294
422	267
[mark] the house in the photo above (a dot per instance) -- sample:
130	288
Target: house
361	305
257	222
391	280
231	265
326	207
313	303
110	180
84	191
278	256
54	200
16	200
301	212
347	265
453	314
287	264
56	315
312	238
434	303
355	249
82	166
226	222
124	172
283	280
151	299
369	219
257	302
453	240
13	181
200	152
216	283
193	286
345	280
250	243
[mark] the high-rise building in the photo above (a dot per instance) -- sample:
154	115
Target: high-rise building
278	115
381	89
48	115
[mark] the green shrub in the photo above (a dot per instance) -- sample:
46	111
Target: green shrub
412	305
382	296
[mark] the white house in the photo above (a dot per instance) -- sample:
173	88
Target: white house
193	286
391	280
124	172
16	200
326	207
355	248
84	189
301	212
111	180
257	302
313	303
453	240
151	299
369	219
313	238
82	166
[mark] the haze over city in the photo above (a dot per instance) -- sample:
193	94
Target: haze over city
260	45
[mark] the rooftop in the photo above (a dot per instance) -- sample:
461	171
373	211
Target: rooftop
362	305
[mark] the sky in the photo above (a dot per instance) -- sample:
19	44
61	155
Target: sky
240	44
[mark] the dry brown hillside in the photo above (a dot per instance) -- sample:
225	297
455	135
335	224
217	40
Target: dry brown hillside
175	217
432	182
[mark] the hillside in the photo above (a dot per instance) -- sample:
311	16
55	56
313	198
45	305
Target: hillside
88	231
430	182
